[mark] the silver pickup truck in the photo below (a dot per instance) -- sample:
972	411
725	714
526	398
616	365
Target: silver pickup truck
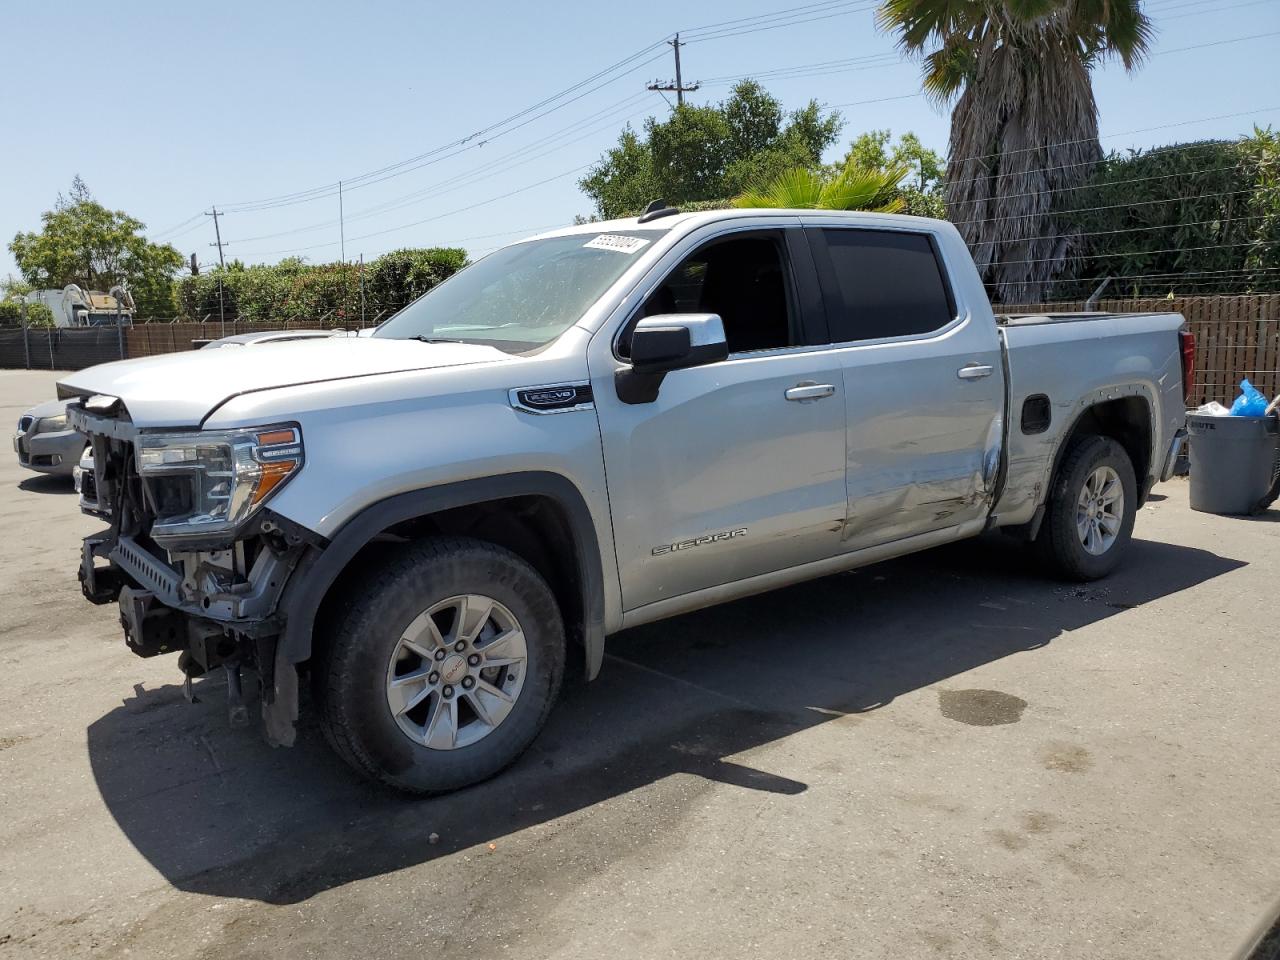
591	429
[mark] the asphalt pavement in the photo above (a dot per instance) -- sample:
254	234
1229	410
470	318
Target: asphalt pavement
948	755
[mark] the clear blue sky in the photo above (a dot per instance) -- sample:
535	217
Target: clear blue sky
165	110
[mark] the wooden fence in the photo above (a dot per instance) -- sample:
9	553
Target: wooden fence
1236	337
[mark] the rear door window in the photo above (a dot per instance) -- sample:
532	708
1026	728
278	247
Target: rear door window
881	283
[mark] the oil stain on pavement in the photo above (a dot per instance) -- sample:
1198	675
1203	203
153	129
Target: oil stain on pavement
981	708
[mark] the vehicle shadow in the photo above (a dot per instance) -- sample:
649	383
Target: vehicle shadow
47	483
217	812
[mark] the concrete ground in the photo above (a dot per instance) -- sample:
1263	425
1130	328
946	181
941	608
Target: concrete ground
944	756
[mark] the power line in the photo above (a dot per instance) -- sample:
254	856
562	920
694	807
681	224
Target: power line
805	8
431	192
823	67
1125	253
1201	12
196	217
394	203
439	216
768	21
398	168
1123	133
737	32
1095	186
1114	206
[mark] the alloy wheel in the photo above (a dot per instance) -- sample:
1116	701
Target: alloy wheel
1100	510
456	672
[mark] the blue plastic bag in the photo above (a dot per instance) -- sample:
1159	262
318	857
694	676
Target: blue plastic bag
1250	403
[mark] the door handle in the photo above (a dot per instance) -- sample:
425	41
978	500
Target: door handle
810	391
974	371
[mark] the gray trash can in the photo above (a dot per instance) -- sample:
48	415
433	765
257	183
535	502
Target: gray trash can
1234	463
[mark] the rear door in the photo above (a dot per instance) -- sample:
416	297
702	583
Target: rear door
736	469
923	383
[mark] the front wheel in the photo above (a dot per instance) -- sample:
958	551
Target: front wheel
1090	511
443	668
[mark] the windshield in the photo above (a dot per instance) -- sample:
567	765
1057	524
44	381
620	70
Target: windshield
522	296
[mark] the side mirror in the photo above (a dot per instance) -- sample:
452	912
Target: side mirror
675	341
669	341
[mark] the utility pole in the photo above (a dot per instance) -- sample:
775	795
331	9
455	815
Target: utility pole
678	88
342	226
362	291
222	268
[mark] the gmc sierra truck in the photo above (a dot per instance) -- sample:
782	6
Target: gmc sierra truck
591	429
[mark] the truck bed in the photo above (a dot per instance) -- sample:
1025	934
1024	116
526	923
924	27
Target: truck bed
1074	360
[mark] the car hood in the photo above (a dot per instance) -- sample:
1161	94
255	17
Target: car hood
50	408
181	389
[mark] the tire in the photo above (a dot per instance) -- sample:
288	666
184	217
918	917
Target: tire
1070	551
369	661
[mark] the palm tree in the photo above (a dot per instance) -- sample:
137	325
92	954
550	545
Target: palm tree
1024	130
853	188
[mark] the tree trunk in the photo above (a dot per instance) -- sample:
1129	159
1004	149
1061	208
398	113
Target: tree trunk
1024	135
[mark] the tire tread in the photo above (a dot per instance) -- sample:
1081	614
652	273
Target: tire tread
359	614
1058	541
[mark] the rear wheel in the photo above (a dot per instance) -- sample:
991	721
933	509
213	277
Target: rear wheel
444	666
1090	511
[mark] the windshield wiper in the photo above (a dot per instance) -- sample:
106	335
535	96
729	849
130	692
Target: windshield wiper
421	339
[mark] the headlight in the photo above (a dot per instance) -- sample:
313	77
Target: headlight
50	424
208	483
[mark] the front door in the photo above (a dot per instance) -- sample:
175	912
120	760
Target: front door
737	467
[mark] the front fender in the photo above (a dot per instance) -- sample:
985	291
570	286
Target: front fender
323	565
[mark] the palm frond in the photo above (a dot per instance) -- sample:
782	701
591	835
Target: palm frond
794	189
854	188
865	188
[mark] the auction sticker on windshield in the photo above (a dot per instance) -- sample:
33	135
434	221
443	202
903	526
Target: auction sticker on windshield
616	243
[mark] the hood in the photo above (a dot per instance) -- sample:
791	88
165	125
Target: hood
50	408
181	389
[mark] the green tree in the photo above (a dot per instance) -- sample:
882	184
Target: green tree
707	154
875	150
1025	123
623	180
690	152
921	189
83	242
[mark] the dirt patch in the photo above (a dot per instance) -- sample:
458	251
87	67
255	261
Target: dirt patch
1009	839
1067	758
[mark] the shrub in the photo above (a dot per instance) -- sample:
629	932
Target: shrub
1198	218
292	292
38	315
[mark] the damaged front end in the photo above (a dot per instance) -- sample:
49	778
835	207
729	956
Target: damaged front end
193	557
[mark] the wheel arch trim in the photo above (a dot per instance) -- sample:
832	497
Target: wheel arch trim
1087	404
311	582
